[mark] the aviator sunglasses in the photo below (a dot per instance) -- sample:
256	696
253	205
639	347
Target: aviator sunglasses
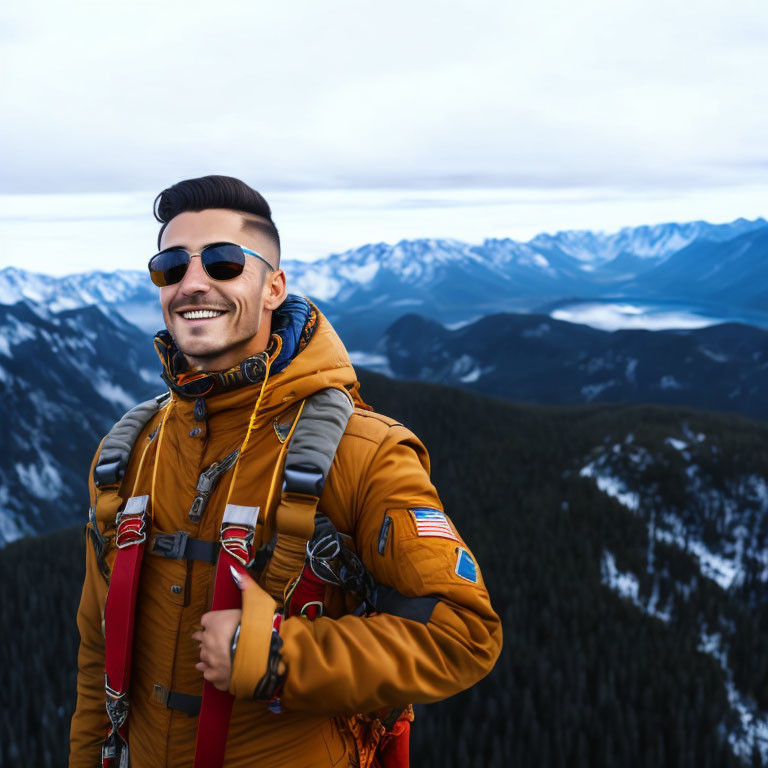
221	261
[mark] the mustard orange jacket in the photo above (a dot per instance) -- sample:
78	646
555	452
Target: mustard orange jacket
336	665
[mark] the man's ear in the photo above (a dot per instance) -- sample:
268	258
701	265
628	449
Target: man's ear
275	290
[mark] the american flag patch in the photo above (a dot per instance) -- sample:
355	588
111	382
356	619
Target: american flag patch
432	522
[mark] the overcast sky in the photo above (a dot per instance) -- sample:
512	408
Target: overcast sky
440	112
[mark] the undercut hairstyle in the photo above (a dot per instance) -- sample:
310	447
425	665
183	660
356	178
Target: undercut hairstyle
217	192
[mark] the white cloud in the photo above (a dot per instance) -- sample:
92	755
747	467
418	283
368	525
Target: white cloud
348	93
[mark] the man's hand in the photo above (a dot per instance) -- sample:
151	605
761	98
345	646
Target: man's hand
215	640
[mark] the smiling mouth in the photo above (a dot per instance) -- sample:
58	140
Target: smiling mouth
201	314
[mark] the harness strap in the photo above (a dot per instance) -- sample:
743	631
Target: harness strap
181	546
118	617
120	607
175	700
237	530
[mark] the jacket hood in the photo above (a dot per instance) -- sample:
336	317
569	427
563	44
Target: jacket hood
304	354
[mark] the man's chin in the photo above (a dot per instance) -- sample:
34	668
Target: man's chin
211	356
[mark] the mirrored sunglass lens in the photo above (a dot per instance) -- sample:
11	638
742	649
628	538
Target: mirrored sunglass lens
223	262
168	267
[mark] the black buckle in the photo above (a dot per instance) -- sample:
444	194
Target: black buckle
172	545
107	473
181	545
307	481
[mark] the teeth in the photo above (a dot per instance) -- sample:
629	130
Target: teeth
198	314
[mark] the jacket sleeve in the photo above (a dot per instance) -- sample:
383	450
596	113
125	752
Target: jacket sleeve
423	650
89	723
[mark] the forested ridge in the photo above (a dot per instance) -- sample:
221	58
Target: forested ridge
586	677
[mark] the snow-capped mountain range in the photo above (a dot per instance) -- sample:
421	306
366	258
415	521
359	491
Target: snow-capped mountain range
451	281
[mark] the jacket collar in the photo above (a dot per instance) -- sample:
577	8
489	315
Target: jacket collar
293	324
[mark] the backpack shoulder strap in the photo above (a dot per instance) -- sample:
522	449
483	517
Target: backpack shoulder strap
117	446
109	469
310	454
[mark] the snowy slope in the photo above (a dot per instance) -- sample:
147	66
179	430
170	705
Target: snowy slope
63	382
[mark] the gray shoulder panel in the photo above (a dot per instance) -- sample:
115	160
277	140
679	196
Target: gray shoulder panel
315	440
118	444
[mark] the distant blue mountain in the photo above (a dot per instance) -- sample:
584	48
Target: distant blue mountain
533	358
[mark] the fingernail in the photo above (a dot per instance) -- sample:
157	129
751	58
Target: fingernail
236	576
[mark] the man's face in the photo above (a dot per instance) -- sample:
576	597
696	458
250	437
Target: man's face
243	303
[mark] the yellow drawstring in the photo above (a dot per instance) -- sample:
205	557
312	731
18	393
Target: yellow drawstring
144	453
252	420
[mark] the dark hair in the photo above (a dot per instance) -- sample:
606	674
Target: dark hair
216	192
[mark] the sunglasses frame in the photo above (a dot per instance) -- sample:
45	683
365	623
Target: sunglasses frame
200	253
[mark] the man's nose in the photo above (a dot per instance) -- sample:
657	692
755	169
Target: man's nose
195	279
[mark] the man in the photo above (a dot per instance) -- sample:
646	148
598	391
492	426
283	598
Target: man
242	360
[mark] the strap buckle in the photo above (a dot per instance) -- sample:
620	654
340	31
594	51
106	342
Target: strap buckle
238	527
132	523
206	482
237	540
305	481
107	473
171	545
117	706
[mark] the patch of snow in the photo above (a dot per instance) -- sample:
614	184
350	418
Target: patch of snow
113	392
669	382
590	391
362	273
10	530
678	445
753	724
150	375
41	480
716	357
536	333
696	437
612	486
461	323
630	370
627	585
372	361
473	375
722	570
14	332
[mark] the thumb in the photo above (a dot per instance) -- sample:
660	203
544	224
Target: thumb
241	577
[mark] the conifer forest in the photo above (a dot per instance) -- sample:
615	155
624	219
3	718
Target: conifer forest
666	672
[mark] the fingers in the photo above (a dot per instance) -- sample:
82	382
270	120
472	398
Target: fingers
210	674
241	577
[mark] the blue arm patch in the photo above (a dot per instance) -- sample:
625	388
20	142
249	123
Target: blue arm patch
465	566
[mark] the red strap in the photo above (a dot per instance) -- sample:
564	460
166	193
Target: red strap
216	708
393	749
120	607
307	595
